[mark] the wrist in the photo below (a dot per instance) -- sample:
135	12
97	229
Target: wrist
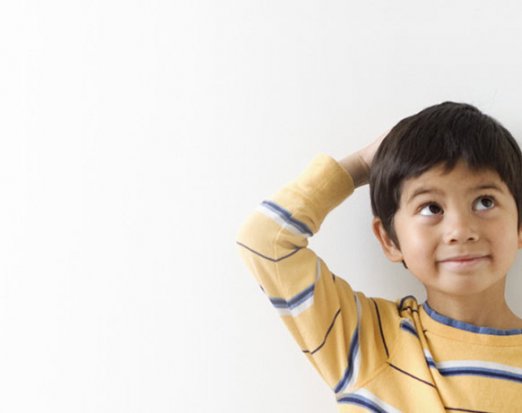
357	168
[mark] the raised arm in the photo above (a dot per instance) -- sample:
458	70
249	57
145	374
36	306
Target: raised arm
320	310
358	164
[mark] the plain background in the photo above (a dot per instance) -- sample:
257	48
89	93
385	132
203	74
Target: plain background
137	135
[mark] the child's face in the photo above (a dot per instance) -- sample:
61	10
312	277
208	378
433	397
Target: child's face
457	231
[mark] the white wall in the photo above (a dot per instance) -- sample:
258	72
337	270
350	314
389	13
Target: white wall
135	137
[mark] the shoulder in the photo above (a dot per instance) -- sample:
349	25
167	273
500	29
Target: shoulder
401	308
388	316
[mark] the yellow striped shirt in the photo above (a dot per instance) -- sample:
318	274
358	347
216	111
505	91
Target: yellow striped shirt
376	355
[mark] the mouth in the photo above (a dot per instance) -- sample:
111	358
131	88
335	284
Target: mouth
464	262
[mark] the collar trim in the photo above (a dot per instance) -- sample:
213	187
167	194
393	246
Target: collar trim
467	326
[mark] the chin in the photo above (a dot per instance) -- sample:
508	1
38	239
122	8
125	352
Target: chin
464	290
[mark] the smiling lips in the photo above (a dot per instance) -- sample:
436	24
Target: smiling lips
463	261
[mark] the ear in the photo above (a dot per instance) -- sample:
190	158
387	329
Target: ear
392	252
520	237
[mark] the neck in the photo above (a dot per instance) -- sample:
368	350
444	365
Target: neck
484	309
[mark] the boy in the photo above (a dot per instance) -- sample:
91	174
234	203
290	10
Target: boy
446	194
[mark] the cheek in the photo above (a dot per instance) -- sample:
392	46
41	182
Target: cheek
417	248
422	238
504	242
509	243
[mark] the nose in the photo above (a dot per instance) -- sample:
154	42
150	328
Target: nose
460	227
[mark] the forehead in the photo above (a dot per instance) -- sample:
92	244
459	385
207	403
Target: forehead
461	178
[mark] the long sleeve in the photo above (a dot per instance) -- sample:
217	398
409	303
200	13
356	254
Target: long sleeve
320	310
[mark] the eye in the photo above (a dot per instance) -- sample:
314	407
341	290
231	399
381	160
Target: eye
431	209
484	203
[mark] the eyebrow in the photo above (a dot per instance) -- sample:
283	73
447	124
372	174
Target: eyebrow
429	190
421	191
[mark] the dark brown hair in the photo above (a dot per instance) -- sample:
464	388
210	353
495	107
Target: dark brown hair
441	134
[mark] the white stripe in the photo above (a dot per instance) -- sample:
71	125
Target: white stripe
280	221
478	364
294	312
373	398
356	367
429	359
487	365
357	357
383	405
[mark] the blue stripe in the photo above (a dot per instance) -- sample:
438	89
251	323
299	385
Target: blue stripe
287	217
362	401
407	327
430	362
475	371
295	301
466	326
354	347
478	371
